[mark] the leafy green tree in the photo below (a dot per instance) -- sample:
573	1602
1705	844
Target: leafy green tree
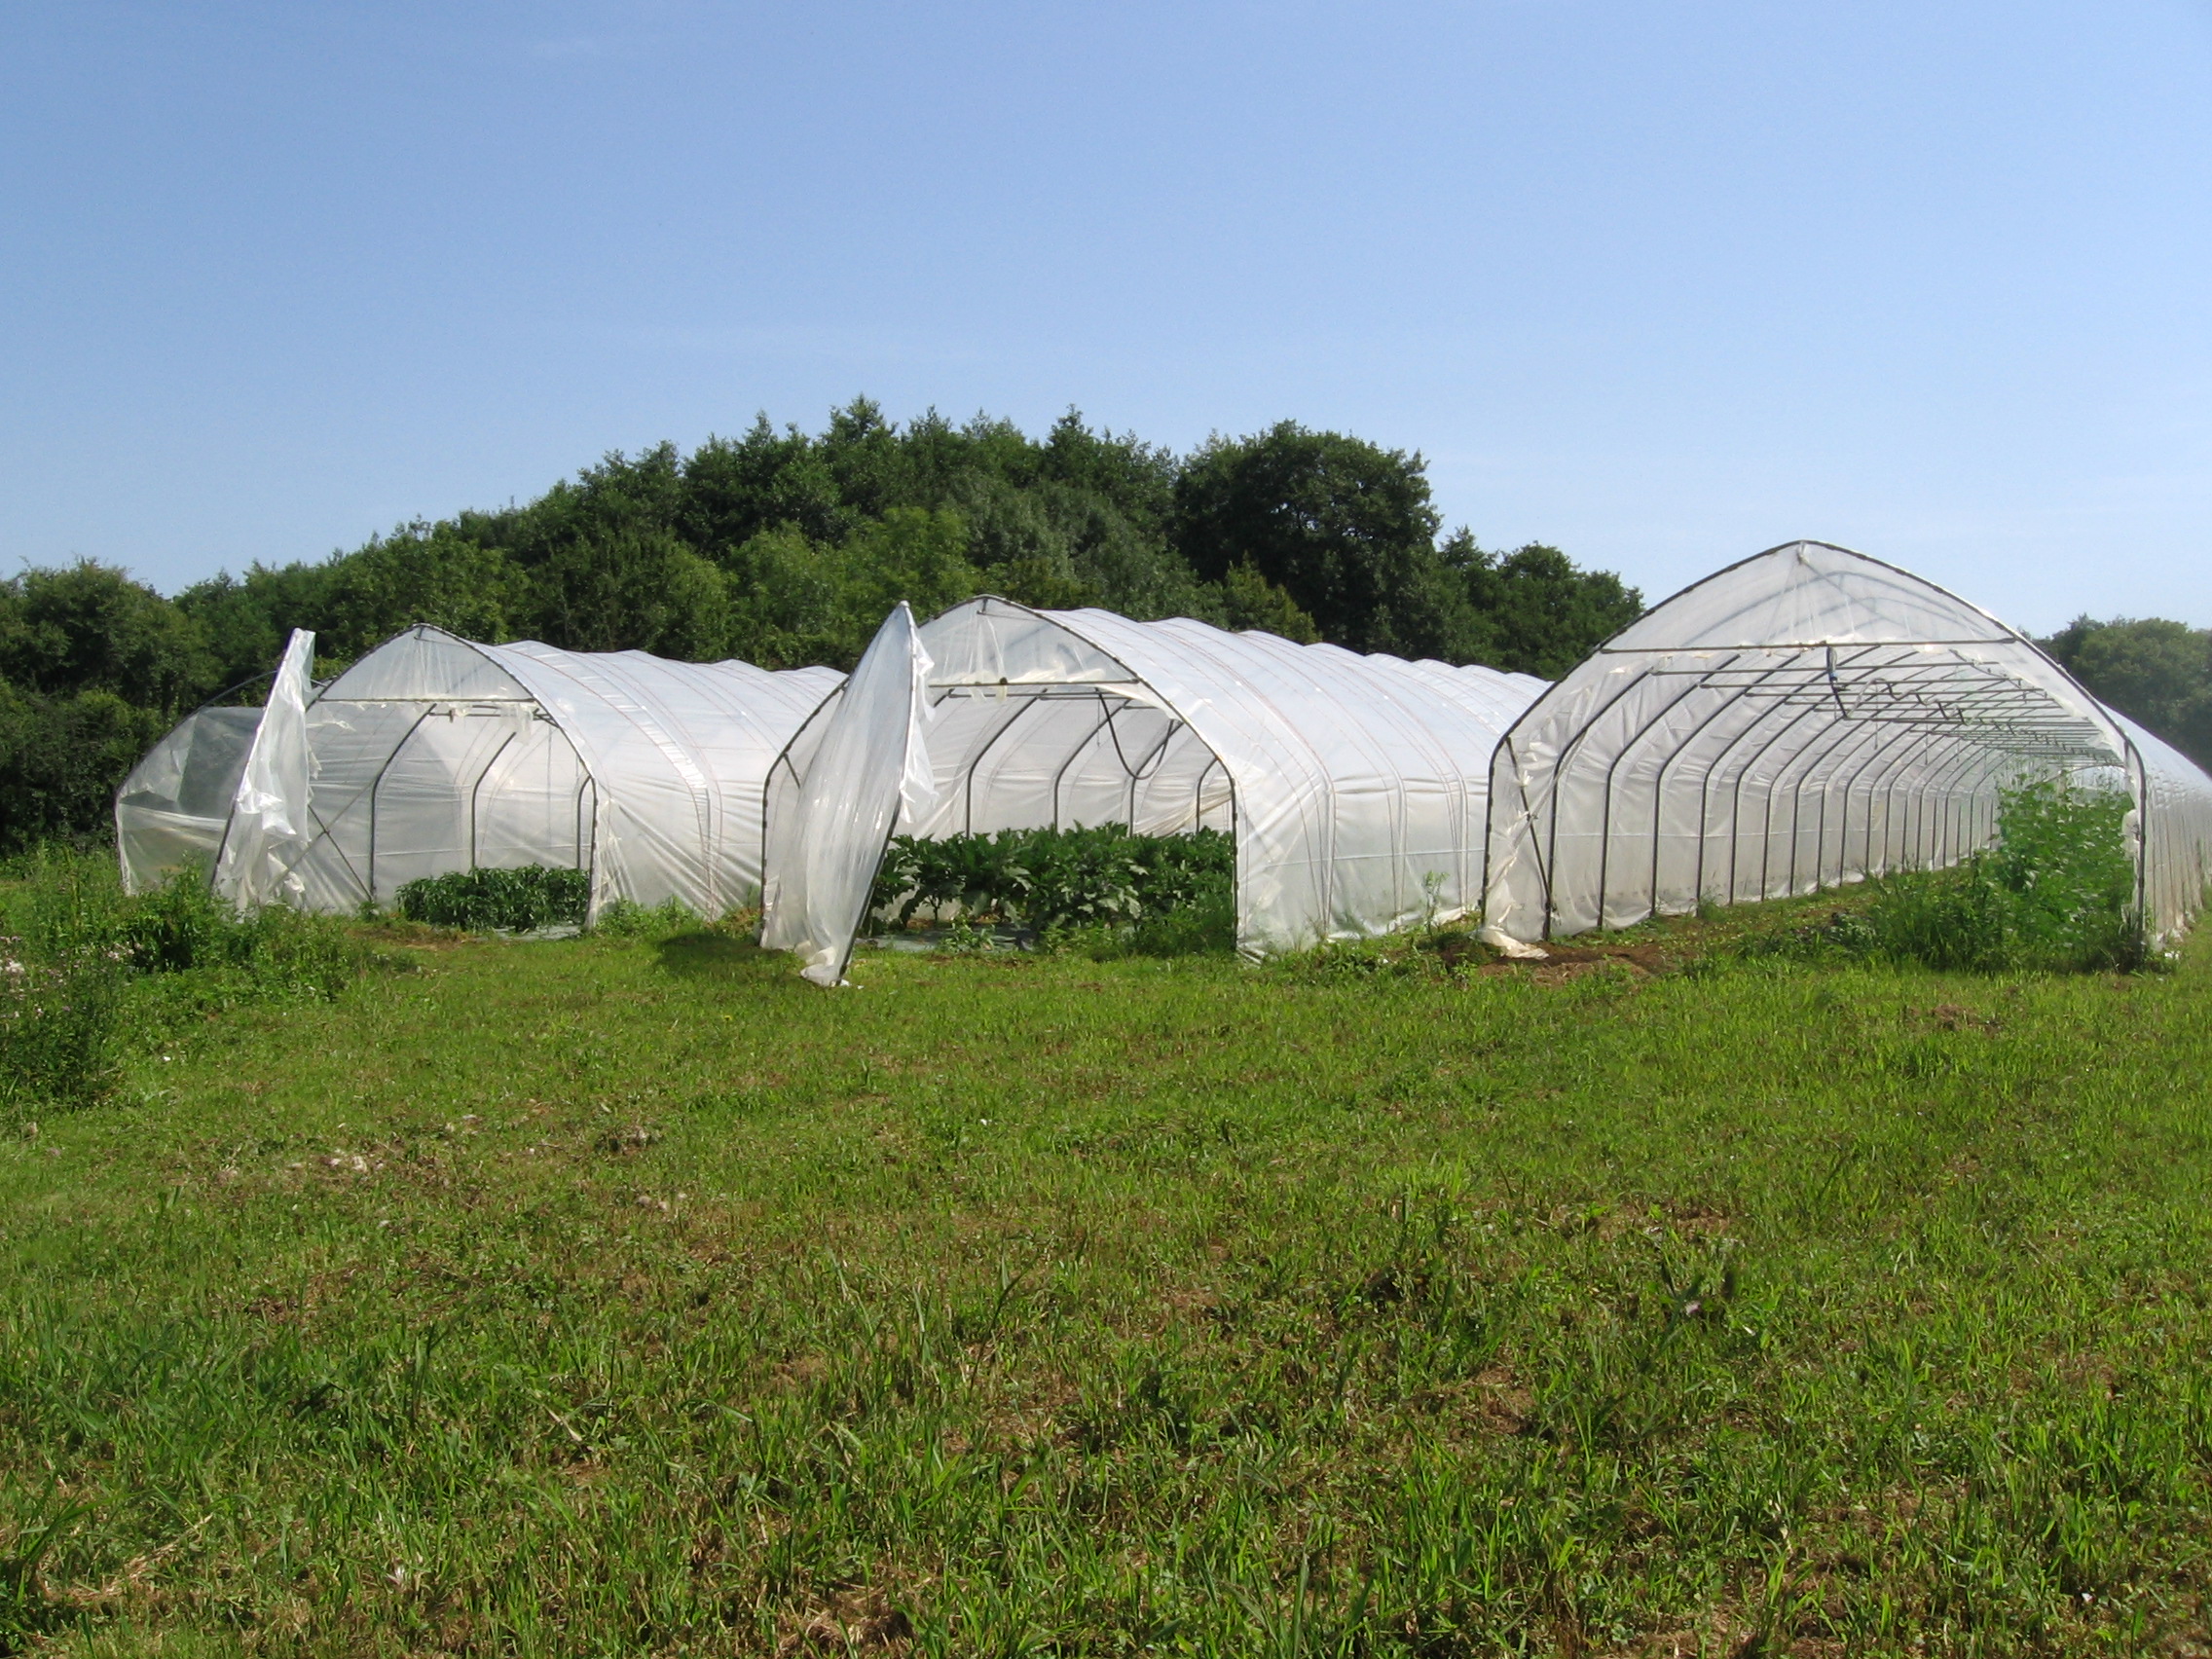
1245	598
631	588
1533	611
645	492
797	601
1017	547
61	759
908	553
88	627
735	489
1121	565
421	572
1343	526
1134	479
248	618
784	598
2153	669
873	469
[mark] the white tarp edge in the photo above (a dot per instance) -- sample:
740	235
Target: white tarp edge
269	819
870	771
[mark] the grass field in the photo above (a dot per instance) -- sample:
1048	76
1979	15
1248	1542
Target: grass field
631	1296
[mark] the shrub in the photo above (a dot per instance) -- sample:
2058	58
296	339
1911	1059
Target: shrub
522	898
71	907
2063	860
1068	881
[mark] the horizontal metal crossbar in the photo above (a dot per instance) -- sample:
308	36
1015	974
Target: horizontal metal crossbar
1807	646
1030	688
442	697
1898	685
1850	673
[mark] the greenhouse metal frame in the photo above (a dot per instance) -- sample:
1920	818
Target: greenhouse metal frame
1804	718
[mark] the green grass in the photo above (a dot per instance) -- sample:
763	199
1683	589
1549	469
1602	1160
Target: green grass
631	1296
90	976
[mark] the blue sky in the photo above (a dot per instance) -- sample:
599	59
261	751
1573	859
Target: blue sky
1663	284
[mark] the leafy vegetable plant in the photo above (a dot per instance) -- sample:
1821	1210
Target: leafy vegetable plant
526	897
1059	880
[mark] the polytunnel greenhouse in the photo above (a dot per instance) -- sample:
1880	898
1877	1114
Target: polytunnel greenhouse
1806	717
1354	786
432	755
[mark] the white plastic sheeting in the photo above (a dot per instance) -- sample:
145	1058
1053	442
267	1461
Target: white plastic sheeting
827	823
433	753
1355	785
2173	830
1806	717
268	815
172	809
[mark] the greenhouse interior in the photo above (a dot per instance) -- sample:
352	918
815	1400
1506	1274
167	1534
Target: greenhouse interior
1806	718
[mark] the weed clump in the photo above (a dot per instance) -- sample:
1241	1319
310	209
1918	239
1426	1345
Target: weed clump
626	918
1425	953
57	1027
2055	893
87	972
519	900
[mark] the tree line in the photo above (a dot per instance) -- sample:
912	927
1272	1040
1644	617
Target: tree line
2154	671
784	548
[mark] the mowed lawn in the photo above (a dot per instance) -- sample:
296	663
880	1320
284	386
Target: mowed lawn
606	1296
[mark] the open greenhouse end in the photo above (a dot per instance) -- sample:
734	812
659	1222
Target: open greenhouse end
1806	718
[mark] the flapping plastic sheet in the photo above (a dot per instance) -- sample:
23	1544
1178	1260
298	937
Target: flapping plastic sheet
866	771
172	809
268	827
